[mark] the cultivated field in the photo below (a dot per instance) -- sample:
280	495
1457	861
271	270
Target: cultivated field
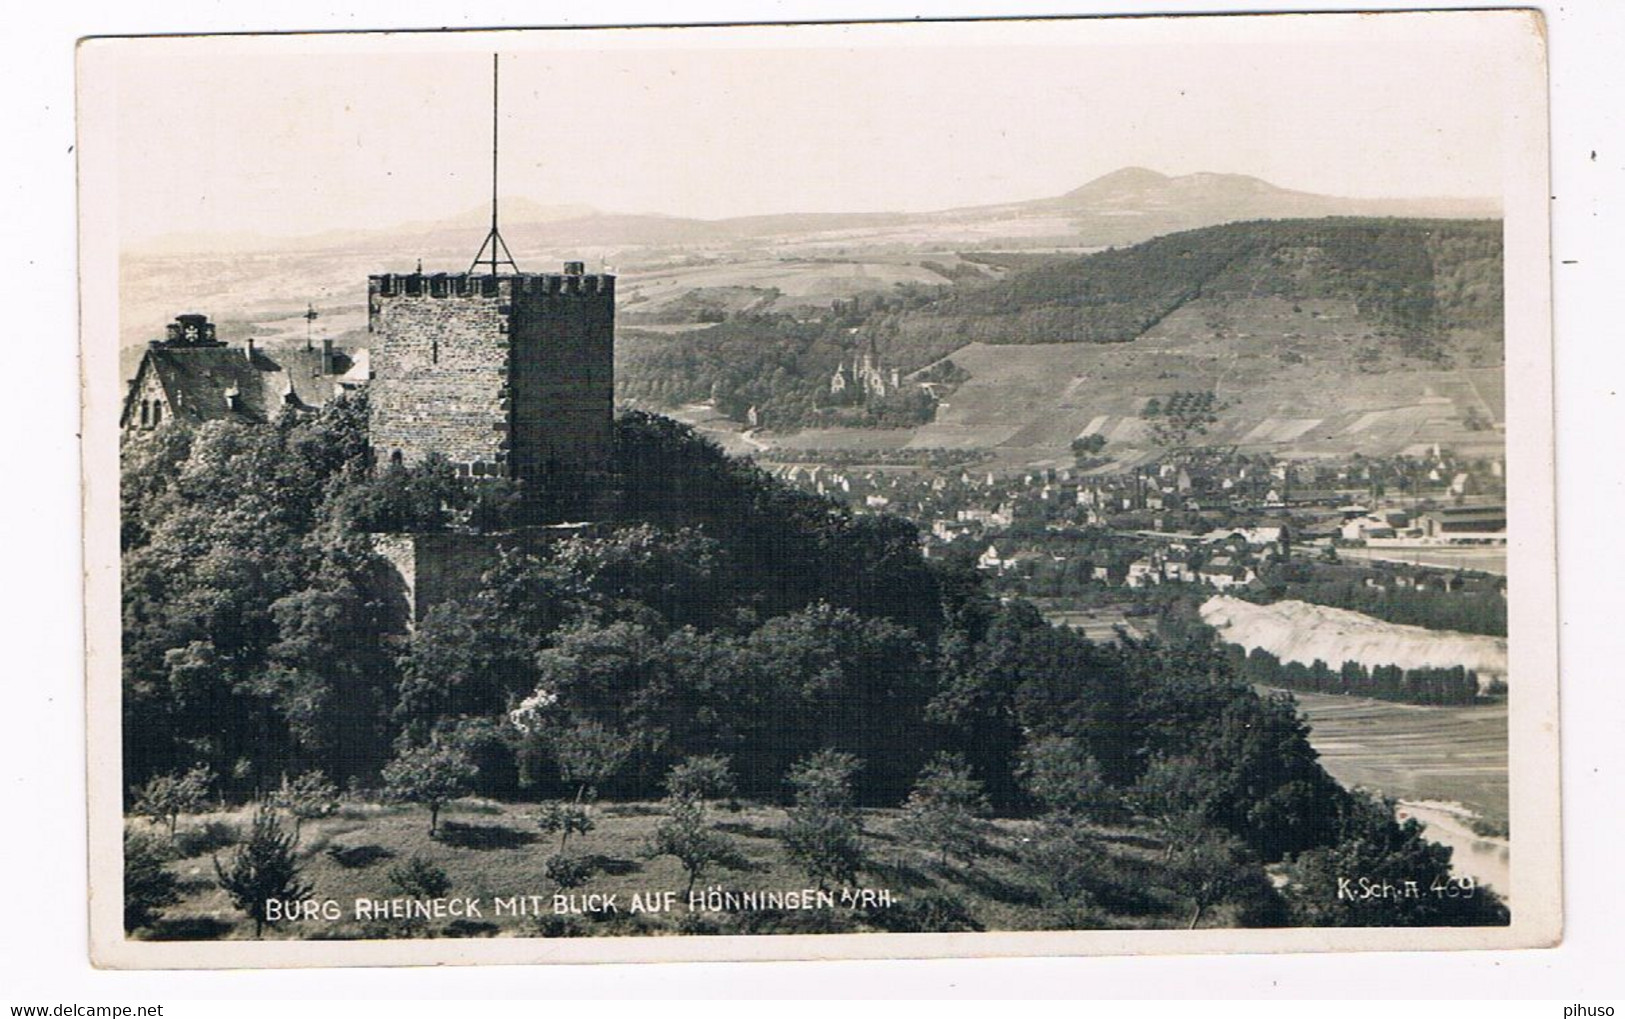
1304	379
1414	752
1287	381
1446	765
783	284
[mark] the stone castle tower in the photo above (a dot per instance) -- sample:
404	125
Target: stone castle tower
507	375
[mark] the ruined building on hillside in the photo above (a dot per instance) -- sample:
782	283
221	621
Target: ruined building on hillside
507	375
191	377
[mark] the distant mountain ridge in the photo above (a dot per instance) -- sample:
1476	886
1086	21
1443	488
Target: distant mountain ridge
1122	207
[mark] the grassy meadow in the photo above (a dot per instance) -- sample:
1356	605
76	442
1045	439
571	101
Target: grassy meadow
489	849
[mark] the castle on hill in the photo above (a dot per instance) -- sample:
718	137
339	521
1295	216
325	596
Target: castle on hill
506	375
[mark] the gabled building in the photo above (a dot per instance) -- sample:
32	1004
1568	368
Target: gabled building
1466	523
192	377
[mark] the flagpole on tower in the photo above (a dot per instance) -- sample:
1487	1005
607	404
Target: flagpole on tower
499	254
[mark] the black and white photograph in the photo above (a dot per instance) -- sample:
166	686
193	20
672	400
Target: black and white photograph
988	487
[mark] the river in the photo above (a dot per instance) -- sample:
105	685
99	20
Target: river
1445	765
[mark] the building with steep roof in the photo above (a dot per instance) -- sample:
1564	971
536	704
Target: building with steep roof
190	376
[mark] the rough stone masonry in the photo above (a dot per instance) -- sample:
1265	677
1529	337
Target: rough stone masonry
505	375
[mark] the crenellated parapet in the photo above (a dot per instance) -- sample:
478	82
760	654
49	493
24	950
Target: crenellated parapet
463	284
506	375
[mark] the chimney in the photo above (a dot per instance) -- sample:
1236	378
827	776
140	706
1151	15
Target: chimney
575	268
249	350
327	355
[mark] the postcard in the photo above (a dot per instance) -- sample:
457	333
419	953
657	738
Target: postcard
844	490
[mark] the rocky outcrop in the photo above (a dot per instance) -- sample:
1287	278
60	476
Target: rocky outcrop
1296	631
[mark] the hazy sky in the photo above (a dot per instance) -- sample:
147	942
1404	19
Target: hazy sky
298	134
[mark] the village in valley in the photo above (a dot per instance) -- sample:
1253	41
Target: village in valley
1206	517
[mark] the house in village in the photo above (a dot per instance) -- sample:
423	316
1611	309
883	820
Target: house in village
1226	576
1143	572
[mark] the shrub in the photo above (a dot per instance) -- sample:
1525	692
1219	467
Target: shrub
554	926
148	884
209	837
263	870
824	834
419	878
697	925
164	798
929	913
701	778
945	810
568	870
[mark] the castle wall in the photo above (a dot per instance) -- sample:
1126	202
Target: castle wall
428	569
440	374
563	384
507	376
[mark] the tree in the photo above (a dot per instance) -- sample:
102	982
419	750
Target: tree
307	796
1176	793
1209	870
686	831
1087	445
164	798
564	819
824	833
701	778
945	810
1383	873
1067	864
432	775
1063	776
587	755
264	870
148	884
